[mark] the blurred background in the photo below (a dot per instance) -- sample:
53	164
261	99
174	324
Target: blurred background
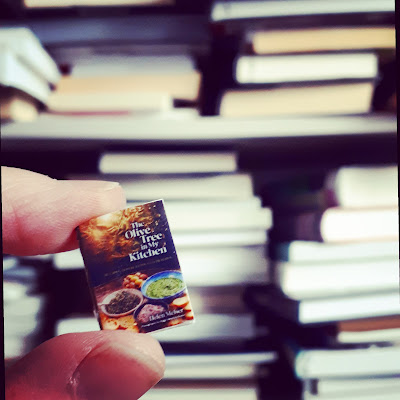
269	129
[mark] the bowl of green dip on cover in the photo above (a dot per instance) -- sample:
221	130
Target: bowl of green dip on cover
166	286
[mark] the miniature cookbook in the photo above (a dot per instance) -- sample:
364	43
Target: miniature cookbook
133	270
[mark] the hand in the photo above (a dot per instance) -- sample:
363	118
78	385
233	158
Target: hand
39	217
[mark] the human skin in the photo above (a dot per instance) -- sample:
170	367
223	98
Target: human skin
40	215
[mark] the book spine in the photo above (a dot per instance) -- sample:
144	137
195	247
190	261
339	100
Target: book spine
304	226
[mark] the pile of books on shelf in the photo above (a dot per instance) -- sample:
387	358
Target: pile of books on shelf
27	74
294	279
304	68
23	308
220	233
120	83
334	302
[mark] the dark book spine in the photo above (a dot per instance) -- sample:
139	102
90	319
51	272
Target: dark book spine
305	226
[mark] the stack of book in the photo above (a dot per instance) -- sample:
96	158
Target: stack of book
23	308
121	83
220	232
27	74
304	68
335	293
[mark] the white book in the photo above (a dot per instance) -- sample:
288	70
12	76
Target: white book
75	325
315	252
223	10
228	372
68	260
302	281
24	307
224	266
330	387
310	67
20	327
210	393
372	362
217	215
235	186
13	347
330	309
363	187
16	74
262	357
21	319
391	335
363	395
167	163
111	65
349	307
27	47
9	262
220	238
213	129
339	225
144	188
13	291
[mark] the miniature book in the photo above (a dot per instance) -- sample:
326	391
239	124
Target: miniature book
133	270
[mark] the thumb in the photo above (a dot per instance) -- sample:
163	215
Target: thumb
102	365
40	214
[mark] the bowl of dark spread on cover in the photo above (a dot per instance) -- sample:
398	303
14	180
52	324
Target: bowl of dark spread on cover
166	286
122	302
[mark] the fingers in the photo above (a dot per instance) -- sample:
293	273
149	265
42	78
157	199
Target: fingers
40	214
88	366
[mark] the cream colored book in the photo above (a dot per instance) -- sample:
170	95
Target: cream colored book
184	86
351	98
323	39
109	102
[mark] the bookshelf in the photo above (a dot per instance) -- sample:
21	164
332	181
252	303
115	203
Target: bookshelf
213	130
269	150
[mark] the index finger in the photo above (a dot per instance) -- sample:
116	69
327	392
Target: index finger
40	214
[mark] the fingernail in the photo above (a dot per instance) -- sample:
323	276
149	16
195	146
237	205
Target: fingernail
114	371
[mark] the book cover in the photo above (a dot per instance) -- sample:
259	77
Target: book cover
133	270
